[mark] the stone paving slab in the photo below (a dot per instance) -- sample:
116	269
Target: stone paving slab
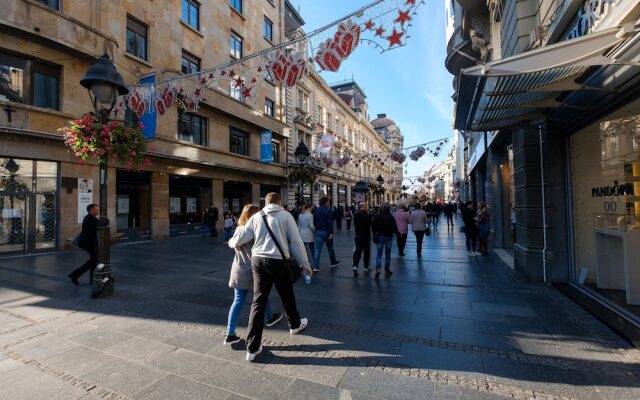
189	365
378	384
301	389
124	377
174	387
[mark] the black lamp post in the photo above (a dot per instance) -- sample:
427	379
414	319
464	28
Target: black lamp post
302	158
380	181
104	84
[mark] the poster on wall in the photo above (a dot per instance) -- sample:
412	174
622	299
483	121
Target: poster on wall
174	205
192	204
85	196
225	205
122	205
236	205
266	153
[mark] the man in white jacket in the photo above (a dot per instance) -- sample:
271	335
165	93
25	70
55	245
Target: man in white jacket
268	267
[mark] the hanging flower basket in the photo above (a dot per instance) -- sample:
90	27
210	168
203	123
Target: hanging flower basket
304	175
88	138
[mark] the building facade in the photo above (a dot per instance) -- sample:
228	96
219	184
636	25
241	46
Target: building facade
548	98
390	132
200	158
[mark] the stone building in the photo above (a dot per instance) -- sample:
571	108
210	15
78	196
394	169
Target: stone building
548	98
210	156
390	132
314	108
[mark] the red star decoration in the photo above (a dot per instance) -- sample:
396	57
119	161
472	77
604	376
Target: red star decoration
259	69
210	76
191	105
412	2
254	80
203	81
232	73
239	81
197	92
223	73
402	17
379	31
369	25
246	92
394	38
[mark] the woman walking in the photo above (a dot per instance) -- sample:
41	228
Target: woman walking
402	220
348	216
483	229
307	230
241	280
384	226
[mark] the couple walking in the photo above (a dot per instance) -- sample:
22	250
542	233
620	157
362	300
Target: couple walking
316	229
383	226
258	264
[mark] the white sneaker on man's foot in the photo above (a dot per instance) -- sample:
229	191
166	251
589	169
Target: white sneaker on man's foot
303	324
252	356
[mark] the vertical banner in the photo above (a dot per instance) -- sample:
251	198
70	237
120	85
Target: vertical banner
149	118
85	196
325	144
266	154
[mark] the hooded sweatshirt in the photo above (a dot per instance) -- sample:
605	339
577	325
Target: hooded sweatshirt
285	230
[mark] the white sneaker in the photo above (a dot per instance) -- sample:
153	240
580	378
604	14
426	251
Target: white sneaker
303	324
252	356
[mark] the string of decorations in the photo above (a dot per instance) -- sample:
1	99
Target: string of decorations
383	24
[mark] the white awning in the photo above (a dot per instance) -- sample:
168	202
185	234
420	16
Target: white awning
518	89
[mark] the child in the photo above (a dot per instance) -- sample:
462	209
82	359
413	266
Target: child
228	226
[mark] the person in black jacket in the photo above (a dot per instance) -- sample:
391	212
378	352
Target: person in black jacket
362	226
88	239
213	219
384	225
470	227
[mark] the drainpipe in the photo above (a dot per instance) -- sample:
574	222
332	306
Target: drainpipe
544	208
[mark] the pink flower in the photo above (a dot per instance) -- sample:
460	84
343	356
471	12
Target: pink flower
106	141
85	149
133	153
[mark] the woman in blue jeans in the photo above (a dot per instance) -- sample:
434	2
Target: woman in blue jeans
384	226
241	280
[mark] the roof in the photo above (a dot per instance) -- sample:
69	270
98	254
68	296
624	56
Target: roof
382	123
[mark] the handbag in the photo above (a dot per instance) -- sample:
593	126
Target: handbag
427	232
78	241
290	264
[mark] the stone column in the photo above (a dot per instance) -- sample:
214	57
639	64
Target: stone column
255	194
159	205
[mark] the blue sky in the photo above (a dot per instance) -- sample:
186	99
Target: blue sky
409	84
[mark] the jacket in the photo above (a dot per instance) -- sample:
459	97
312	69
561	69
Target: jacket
402	220
285	230
384	224
418	220
89	233
306	226
323	219
241	276
362	225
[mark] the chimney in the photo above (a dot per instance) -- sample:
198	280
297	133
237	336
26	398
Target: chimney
382	115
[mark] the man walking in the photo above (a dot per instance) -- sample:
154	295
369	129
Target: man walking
362	226
419	226
338	214
88	239
269	267
402	220
213	220
323	220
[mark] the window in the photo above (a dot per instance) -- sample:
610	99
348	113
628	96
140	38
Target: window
191	13
329	122
303	101
275	151
269	107
239	142
237	5
28	81
319	114
236	46
190	64
237	91
55	4
136	38
192	128
268	29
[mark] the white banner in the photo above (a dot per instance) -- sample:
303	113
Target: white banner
85	197
325	144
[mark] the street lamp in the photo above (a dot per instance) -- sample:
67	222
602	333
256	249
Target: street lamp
104	84
380	181
302	158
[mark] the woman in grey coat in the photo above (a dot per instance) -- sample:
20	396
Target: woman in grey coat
241	280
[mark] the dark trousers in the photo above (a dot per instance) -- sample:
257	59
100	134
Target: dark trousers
450	220
348	224
419	237
472	238
363	245
339	224
89	265
266	273
402	241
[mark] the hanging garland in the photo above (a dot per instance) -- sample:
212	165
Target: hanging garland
383	24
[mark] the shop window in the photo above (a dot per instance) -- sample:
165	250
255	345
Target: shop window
275	151
239	142
190	64
191	13
236	5
268	29
29	81
136	38
269	107
192	128
605	177
54	4
235	42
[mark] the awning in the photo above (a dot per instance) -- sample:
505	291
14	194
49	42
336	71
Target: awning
523	88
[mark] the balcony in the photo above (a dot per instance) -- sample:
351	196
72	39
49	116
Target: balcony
460	53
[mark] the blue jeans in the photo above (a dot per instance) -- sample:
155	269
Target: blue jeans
323	237
228	233
236	308
384	243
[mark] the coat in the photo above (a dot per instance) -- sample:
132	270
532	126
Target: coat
89	235
418	220
384	224
241	276
306	226
402	219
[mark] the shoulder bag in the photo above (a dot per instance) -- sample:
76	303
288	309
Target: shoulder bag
290	264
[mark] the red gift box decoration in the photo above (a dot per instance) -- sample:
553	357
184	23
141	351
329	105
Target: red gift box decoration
329	56
277	66
160	106
138	104
347	37
295	69
167	97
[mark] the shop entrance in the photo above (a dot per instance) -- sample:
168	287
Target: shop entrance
235	196
188	197
133	205
28	206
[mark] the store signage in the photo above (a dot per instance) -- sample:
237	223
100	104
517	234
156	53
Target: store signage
85	197
266	153
622	189
149	118
591	12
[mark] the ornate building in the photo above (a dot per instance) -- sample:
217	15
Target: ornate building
390	133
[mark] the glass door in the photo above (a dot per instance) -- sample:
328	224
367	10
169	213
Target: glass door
13	215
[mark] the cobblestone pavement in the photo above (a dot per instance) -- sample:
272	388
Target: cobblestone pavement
444	326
